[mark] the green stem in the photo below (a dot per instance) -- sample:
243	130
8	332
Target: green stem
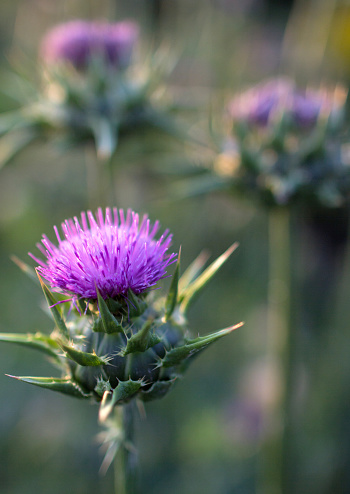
277	447
126	461
99	180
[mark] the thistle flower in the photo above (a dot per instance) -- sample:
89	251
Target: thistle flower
285	145
93	89
119	339
311	104
279	99
259	104
112	255
79	42
127	343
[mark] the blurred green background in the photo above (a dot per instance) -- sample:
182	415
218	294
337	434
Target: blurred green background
204	437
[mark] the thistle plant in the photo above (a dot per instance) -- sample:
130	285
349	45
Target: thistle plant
284	148
281	145
115	340
94	87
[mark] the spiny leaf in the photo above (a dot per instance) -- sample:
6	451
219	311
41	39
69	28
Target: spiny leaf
28	270
137	306
157	390
62	385
83	358
122	393
171	300
39	341
53	308
198	284
109	322
192	272
142	340
192	346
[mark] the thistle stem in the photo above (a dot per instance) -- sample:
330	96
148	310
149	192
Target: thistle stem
277	448
126	461
99	180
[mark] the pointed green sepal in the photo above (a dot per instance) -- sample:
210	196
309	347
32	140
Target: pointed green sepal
102	386
65	385
113	305
83	358
107	322
121	394
192	346
38	341
142	340
193	271
199	283
171	300
28	270
137	306
157	390
56	314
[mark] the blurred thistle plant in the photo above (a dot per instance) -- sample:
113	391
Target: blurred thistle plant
287	149
281	145
93	88
115	339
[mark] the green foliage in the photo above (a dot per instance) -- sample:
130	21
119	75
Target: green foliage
141	341
56	314
177	355
38	341
107	322
62	385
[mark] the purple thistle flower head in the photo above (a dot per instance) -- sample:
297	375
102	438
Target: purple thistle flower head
77	42
114	252
269	100
311	104
305	109
259	104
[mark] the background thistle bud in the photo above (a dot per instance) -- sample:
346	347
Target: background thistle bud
117	340
286	145
79	42
262	103
93	87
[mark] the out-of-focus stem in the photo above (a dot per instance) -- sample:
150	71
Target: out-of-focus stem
99	180
277	447
126	461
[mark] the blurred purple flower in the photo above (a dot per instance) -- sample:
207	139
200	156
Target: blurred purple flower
309	105
77	42
277	97
113	253
305	108
257	105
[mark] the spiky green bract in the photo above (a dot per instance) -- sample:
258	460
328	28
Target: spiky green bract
141	341
83	358
116	349
121	394
171	300
192	290
64	385
56	314
106	322
38	341
176	356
